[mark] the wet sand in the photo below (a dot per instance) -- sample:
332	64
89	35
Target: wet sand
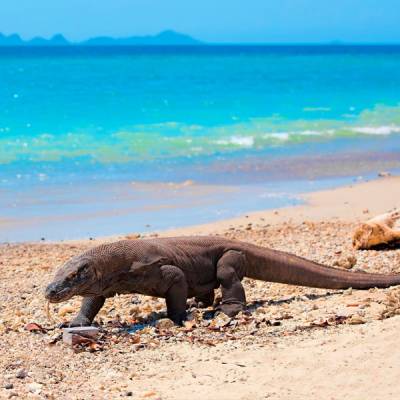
352	202
292	342
214	191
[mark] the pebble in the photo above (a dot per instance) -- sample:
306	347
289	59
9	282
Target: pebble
346	261
21	374
35	387
164	324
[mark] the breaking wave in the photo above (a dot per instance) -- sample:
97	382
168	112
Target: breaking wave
173	139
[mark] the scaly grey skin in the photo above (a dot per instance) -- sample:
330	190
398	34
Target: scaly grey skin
180	268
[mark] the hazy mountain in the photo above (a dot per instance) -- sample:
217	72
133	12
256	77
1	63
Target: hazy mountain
56	40
15	40
163	38
12	40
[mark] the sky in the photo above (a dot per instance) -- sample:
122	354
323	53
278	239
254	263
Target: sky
227	21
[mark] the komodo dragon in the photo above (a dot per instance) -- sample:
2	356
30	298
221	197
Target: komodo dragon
184	267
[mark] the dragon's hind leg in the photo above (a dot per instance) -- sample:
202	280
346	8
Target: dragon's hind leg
205	300
202	301
230	272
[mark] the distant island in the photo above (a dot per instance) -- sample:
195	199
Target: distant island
165	38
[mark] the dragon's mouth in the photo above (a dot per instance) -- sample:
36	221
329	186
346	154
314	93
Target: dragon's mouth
54	295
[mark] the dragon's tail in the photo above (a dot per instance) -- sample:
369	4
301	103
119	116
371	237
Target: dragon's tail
276	266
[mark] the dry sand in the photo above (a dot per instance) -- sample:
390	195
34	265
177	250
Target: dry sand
292	342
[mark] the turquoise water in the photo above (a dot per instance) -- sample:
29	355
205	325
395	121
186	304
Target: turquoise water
210	114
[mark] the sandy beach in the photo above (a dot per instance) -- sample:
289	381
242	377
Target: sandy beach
292	342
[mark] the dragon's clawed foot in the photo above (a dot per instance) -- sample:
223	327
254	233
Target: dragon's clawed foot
76	322
231	309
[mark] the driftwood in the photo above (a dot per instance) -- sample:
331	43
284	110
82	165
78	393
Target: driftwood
378	231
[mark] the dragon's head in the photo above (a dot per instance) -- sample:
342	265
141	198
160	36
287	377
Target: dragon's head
77	277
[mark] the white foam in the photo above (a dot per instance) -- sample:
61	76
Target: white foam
284	136
377	130
245	141
309	132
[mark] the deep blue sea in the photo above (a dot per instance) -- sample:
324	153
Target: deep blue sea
273	118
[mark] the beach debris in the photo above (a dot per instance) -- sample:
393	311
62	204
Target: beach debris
48	313
8	386
331	321
140	328
66	309
356	319
133	236
56	337
190	325
384	174
220	321
149	394
348	292
392	304
76	339
34	327
273	322
346	261
82	343
82	335
378	231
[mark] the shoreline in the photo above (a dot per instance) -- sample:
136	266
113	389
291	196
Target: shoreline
354	203
350	202
53	210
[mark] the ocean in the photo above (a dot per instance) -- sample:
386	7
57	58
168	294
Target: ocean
106	140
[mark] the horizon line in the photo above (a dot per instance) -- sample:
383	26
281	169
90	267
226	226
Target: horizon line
214	44
197	42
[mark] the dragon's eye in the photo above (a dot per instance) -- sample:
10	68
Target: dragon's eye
72	275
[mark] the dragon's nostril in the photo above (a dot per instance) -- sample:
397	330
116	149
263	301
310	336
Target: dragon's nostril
50	291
